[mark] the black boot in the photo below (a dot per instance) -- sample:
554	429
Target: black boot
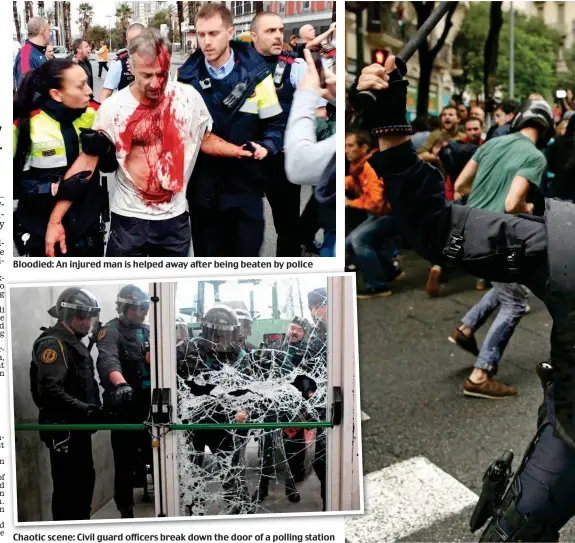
291	491
126	512
262	492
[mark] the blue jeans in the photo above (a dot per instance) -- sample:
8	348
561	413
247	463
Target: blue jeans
328	245
512	298
371	249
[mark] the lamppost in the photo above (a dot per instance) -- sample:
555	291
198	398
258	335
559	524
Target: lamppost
358	8
110	28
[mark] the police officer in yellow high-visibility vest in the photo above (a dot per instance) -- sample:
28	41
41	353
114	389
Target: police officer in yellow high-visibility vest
51	109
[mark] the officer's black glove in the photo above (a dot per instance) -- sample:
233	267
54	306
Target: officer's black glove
95	143
123	394
74	188
99	415
384	111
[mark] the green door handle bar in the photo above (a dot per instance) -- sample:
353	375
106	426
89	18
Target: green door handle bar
135	427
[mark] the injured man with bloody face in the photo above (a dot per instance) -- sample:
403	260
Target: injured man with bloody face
155	127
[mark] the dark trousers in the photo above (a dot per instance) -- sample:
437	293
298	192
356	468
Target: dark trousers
139	237
295	453
284	200
544	490
320	463
101	66
235	232
73	478
131	451
91	244
309	222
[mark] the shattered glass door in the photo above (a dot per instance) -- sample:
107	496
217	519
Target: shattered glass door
252	373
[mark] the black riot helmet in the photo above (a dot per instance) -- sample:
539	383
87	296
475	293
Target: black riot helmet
245	322
133	298
221	329
78	309
536	113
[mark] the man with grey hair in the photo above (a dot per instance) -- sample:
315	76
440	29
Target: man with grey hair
32	53
157	127
119	75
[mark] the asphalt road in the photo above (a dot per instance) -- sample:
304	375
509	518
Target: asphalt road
269	245
412	389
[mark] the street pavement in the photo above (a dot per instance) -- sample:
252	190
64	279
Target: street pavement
426	446
269	245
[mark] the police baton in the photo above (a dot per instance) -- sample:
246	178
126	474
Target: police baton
367	98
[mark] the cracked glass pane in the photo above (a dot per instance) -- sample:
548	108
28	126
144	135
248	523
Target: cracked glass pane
251	351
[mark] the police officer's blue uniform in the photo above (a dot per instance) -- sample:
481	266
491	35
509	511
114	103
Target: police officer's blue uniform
225	194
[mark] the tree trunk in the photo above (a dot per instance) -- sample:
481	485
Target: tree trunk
41	9
180	8
427	55
190	12
17	21
491	50
333	13
28	11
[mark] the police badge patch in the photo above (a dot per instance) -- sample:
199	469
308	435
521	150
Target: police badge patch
48	356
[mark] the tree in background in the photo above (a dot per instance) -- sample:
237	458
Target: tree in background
181	19
162	17
85	15
16	16
426	54
41	10
95	34
28	11
491	50
536	47
123	15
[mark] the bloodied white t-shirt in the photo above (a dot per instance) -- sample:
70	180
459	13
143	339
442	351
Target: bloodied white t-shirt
158	145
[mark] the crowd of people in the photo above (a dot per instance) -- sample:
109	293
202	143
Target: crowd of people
497	235
191	157
219	374
507	162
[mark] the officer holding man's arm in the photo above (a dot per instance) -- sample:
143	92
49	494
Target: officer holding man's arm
124	369
226	194
535	252
65	391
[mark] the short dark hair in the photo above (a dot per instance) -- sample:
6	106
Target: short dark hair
258	17
449	106
211	9
362	137
475	119
507	106
76	44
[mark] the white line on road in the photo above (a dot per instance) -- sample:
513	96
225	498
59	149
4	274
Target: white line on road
404	498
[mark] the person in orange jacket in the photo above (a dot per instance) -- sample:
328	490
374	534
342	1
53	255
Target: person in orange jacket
370	245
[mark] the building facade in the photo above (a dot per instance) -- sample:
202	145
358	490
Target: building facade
294	14
557	15
387	26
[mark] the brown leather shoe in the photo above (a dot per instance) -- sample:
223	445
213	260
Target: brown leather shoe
490	389
433	285
467	343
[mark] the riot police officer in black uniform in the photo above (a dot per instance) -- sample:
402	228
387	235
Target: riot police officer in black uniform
246	323
124	369
64	389
284	197
204	358
119	75
536	252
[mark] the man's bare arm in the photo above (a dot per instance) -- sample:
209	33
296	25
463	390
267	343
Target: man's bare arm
465	179
426	156
317	41
216	146
105	94
516	201
55	232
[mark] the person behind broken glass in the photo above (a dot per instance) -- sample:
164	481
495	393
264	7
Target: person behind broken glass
539	253
205	364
